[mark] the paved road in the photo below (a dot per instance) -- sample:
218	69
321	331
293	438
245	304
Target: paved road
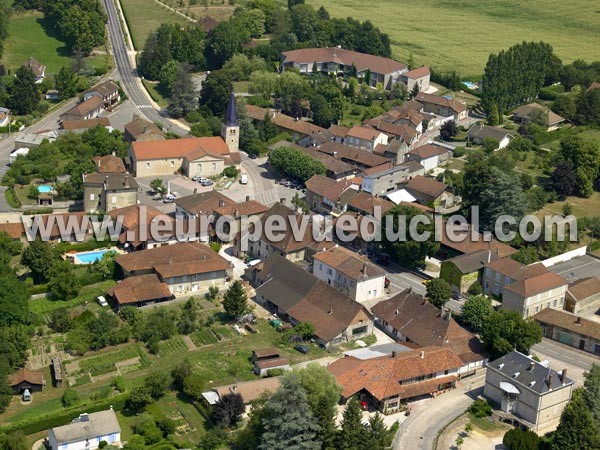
428	417
130	82
562	356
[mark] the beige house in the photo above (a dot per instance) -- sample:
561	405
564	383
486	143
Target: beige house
583	296
505	271
416	77
185	267
387	177
529	296
365	137
570	329
349	274
108	191
442	106
107	91
527	392
88	109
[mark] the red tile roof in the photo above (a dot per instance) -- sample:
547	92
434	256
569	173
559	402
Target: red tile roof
109	163
85	123
584	288
529	287
514	269
14	230
428	151
365	133
417	73
28	376
568	321
191	148
141	288
349	263
427	186
452	104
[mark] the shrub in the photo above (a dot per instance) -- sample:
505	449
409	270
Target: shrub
70	398
459	151
230	172
215	246
119	384
475	289
480	408
275	372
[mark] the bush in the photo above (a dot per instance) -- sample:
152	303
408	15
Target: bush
119	384
517	439
12	199
275	372
459	151
215	246
230	172
70	398
475	289
480	409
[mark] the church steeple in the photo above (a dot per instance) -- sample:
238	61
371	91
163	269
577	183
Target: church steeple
231	118
230	129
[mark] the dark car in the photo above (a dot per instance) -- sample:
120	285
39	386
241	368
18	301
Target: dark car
302	349
252	156
207	183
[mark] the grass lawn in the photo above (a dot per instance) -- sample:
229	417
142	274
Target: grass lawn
485	425
27	38
45	306
587	135
458	34
240	86
145	16
156	93
582	207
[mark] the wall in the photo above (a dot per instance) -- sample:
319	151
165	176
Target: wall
119	199
567	256
157	167
205	167
196	282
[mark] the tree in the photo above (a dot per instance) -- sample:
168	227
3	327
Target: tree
319	384
305	330
70	398
146	427
588	108
14	300
289	422
526	255
235	301
66	82
584	157
377	436
228	410
405	250
155	56
14	441
39	257
295	163
577	428
262	83
352	433
517	439
438	292
292	3
63	284
194	385
592	391
225	40
459	441
157	185
414	91
565	106
504	331
216	90
563	179
168	75
475	310
24	94
180	372
157	383
501	195
468	428
493	118
138	399
267	129
448	130
183	94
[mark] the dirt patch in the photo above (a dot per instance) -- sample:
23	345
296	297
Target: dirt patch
188	341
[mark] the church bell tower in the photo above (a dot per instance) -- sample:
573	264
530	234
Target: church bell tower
230	129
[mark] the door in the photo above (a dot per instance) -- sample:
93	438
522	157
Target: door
581	344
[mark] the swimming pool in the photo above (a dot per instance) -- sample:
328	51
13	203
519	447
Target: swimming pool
470	85
44	188
90	257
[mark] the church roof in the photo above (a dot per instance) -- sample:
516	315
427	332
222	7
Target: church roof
231	113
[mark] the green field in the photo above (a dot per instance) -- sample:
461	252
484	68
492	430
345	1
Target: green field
458	34
27	38
145	16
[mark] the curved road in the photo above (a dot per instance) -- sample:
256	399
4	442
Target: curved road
128	75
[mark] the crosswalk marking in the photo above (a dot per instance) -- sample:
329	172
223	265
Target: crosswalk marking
144	106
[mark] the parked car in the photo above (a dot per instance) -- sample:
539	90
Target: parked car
302	349
169	198
252	156
244	179
207	183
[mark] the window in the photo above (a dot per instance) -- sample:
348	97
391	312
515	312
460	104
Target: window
329	271
172	163
147	165
92	196
114	199
214	167
359	330
320	266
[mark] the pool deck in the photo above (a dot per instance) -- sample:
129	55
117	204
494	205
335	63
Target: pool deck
74	257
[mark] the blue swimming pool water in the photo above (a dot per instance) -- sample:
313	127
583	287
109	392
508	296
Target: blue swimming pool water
44	188
470	84
91	257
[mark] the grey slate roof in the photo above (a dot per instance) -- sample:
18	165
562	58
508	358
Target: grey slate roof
231	113
516	363
484	131
97	424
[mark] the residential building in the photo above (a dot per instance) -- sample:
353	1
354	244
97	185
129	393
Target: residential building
409	317
107	91
403	132
12	157
530	295
387	177
296	295
34	140
4	116
349	273
285	243
249	390
336	169
136	226
365	137
583	296
463	271
86	432
443	106
87	109
192	156
387	382
369	205
15	230
502	272
524	115
109	164
186	267
430	156
326	196
203	203
335	60
38	69
80	126
431	192
27	380
480	133
569	329
459	239
416	77
360	158
140	290
527	392
108	191
140	129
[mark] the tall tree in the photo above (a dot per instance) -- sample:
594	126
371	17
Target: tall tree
66	82
14	299
289	423
438	292
25	94
352	433
216	90
39	257
235	301
504	331
183	95
475	310
62	283
564	180
592	391
584	157
501	195
577	428
378	436
228	410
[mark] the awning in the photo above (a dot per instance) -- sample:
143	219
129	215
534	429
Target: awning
509	388
401	196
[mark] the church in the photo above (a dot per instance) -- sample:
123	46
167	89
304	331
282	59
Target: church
189	156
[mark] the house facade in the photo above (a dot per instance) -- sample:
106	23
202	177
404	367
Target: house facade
86	432
500	273
416	77
442	106
108	191
349	274
531	295
385	178
530	393
429	156
570	329
86	110
583	296
479	133
107	91
364	137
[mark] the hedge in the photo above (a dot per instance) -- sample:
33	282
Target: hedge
57	419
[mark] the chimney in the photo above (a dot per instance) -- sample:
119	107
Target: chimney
114	153
195	191
330	312
578	321
425	300
282	200
364	269
236	213
422	354
563	376
550	380
247	198
126	181
221	202
489	258
531	366
393	353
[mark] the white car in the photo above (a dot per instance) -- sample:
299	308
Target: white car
244	179
169	198
102	301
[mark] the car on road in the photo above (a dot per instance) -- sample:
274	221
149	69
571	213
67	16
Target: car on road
198	178
252	156
207	183
302	349
244	179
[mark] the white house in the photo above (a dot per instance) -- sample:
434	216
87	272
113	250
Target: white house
349	274
86	432
364	137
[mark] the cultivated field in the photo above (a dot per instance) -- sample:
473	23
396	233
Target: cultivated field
145	16
459	34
